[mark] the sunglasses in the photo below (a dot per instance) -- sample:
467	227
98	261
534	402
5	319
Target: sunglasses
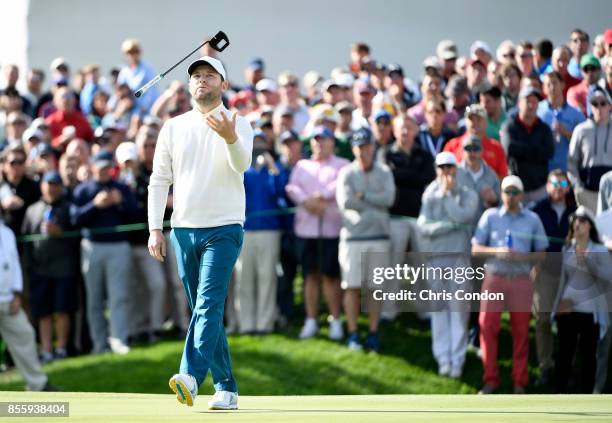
472	149
16	162
445	166
589	68
581	219
557	184
436	111
383	122
512	192
599	104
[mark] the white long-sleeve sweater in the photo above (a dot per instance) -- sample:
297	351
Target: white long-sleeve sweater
205	171
11	279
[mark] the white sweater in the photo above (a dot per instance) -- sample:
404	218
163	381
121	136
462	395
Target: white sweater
205	171
11	279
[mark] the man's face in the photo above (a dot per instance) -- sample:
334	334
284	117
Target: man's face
434	115
289	90
64	100
51	192
11	75
552	87
405	131
511	197
69	168
579	44
448	66
591	73
511	80
292	149
476	125
395	78
146	150
473	153
557	188
491	104
560	60
253	76
525	58
101	173
382	130
446	170
322	147
132	56
600	108
333	95
363	98
14	167
431	84
364	154
476	73
206	85
528	106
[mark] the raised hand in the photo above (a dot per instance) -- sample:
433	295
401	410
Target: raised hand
225	127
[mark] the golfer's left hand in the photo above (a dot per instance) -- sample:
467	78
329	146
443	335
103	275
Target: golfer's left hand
225	127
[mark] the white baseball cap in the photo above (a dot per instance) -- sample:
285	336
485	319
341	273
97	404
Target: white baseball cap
207	60
512	181
446	158
266	84
126	151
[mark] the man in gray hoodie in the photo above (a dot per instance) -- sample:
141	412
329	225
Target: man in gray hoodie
590	150
446	217
365	191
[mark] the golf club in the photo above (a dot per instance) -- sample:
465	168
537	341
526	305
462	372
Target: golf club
219	42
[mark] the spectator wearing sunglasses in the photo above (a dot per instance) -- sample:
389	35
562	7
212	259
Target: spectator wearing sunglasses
474	173
513	239
591	72
18	191
554	211
590	150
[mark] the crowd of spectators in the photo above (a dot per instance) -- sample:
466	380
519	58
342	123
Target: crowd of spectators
365	160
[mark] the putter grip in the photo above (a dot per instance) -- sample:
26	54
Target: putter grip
148	85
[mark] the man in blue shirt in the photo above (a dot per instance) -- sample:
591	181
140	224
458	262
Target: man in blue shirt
136	74
510	235
560	116
99	204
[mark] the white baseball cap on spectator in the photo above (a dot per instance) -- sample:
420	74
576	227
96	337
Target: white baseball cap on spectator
266	84
58	62
30	133
446	158
512	181
39	123
345	80
126	151
476	45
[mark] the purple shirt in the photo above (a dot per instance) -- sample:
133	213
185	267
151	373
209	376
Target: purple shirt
308	178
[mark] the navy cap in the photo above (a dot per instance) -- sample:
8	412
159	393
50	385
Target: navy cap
256	64
395	68
52	177
362	136
322	131
103	159
287	136
381	113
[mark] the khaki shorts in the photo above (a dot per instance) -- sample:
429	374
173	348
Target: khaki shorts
359	258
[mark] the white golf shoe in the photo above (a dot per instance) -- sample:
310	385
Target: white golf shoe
309	329
185	387
224	400
336	333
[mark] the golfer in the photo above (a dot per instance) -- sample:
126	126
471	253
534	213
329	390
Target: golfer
203	154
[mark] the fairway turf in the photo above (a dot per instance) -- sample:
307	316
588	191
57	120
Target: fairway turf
141	408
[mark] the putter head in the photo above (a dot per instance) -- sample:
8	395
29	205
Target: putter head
219	42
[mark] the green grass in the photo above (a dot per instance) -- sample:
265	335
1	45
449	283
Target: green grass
138	408
283	365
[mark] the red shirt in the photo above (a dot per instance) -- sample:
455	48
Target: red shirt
570	81
577	96
492	153
58	120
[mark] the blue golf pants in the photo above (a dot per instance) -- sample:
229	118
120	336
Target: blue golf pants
205	260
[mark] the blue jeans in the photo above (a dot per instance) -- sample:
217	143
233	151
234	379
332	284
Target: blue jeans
205	259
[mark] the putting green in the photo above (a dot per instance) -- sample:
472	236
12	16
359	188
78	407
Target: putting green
135	408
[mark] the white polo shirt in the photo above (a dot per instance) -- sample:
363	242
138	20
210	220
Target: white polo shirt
11	279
